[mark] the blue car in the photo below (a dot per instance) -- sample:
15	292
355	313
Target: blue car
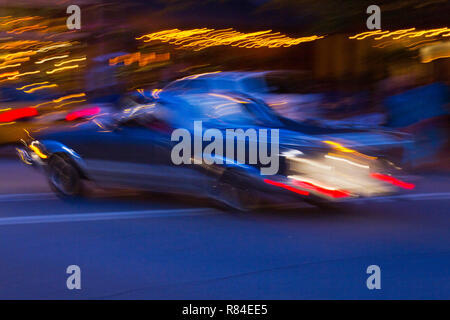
179	143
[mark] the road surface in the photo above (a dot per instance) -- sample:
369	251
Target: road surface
137	246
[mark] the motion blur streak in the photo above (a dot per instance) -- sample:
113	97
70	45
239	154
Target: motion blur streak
82	113
12	115
338	158
40	88
399	34
8	74
23	74
287	187
392	180
51	58
69	61
37	151
63	68
227	97
328	192
10	66
199	39
32	85
77	95
68	103
339	147
195	76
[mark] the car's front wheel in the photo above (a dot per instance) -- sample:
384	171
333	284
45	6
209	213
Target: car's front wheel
64	177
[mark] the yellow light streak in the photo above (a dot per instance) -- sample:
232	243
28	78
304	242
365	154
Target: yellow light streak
10	56
199	39
401	34
51	58
62	69
436	57
37	151
61	45
32	85
29	28
76	95
366	34
7	123
23	74
10	66
40	88
70	102
14	61
8	74
398	32
69	61
341	148
41	104
17	20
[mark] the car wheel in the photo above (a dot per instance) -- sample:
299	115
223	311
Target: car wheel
64	177
233	192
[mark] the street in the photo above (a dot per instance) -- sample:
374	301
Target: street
140	246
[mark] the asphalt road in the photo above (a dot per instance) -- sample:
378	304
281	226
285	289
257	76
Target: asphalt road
137	246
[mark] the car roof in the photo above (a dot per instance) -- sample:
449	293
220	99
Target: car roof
226	75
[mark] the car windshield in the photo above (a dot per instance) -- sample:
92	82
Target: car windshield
222	110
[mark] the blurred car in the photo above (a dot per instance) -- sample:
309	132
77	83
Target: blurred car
134	149
280	91
278	88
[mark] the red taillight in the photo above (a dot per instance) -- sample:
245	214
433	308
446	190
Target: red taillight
392	180
16	114
287	187
82	113
324	191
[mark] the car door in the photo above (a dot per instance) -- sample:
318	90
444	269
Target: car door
114	155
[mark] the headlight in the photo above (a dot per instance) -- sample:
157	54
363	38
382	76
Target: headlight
291	153
38	150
